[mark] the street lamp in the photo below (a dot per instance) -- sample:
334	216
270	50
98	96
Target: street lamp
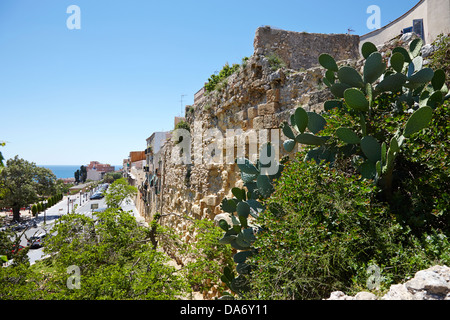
68	201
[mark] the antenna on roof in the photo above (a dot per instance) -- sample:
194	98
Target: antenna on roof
350	30
181	101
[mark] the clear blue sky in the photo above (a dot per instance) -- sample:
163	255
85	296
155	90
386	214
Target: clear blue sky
72	96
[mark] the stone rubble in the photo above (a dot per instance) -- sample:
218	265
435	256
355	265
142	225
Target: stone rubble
429	284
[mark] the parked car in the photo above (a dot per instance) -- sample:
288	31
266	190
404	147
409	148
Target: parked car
97	195
37	240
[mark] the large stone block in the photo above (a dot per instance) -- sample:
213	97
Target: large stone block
273	95
270	122
258	123
211	201
252	112
268	108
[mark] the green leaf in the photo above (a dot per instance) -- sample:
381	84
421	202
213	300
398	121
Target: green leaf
404	52
289	145
240	243
422	77
331	104
224	225
227	239
240	257
356	100
243	220
330	76
367	49
328	62
368	170
415	65
243	209
327	82
348	136
393	83
301	119
338	89
438	80
397	62
228	206
246	166
265	187
419	120
310	139
228	273
415	47
383	152
350	76
394	146
374	67
316	122
288	131
371	148
321	154
249	236
435	99
239	194
255	207
369	93
247	178
379	168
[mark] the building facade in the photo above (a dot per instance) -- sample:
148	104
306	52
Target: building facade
96	170
428	19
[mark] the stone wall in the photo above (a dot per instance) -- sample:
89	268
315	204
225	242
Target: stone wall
258	96
301	50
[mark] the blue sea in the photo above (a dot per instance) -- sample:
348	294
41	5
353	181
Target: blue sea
64	172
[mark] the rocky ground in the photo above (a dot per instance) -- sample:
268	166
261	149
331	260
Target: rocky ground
430	284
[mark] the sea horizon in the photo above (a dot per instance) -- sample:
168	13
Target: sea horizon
62	171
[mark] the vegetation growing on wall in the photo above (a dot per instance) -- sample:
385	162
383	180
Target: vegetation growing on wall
354	197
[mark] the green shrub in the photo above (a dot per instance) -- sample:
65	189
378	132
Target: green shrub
34	210
440	59
215	80
207	257
323	229
275	62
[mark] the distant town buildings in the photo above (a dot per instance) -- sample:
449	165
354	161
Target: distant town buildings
96	170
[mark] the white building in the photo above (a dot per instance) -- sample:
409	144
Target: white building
428	19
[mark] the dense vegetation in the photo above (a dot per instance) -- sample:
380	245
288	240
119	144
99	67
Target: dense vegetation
370	190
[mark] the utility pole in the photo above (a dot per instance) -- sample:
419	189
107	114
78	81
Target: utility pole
181	101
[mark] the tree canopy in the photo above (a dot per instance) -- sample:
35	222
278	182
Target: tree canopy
22	183
119	192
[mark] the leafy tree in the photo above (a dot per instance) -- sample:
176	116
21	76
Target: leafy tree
110	177
77	176
83	174
114	255
22	182
115	259
119	192
34	210
2	144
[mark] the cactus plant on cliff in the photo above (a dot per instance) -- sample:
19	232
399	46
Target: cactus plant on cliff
413	88
408	88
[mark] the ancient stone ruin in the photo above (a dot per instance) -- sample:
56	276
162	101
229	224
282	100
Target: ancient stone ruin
262	94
